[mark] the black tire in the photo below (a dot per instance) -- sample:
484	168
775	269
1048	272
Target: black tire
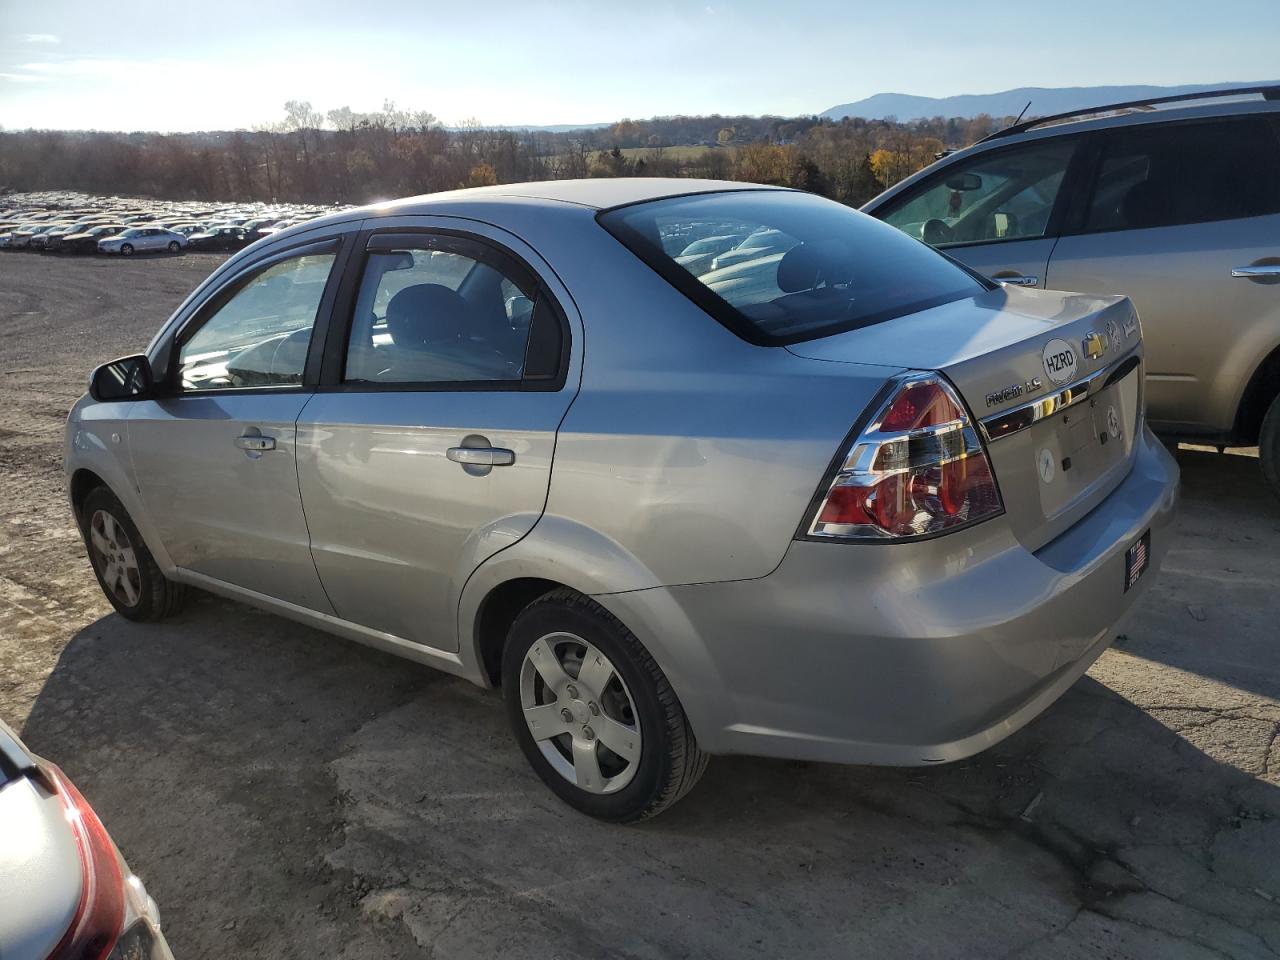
174	246
126	249
670	761
157	596
1269	447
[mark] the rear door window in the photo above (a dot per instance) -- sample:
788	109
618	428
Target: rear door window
1164	175
440	310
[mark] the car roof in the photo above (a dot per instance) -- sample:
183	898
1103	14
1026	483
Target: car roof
598	193
1231	104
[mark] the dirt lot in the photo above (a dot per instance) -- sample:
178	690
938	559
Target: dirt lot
287	794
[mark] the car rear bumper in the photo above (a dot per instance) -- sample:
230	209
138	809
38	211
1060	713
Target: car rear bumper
905	654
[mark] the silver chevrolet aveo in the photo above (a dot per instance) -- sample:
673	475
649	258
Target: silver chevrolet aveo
808	490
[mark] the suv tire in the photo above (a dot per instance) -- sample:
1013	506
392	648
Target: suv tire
1269	446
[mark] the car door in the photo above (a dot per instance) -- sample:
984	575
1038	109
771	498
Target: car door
996	211
213	452
428	446
1184	217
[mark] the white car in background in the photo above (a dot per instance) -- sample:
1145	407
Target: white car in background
140	239
65	891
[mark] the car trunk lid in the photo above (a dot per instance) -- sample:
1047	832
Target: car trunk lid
1054	378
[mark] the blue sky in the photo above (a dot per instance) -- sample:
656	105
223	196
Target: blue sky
194	64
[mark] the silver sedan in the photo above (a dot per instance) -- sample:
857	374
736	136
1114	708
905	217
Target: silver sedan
67	892
143	239
841	499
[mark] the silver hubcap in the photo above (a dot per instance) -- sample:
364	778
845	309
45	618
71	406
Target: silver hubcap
580	713
113	554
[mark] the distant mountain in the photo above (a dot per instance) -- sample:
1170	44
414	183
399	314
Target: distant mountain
1009	103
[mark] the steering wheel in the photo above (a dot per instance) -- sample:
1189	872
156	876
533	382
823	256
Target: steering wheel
936	231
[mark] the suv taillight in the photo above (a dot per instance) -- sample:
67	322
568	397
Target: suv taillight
99	916
917	469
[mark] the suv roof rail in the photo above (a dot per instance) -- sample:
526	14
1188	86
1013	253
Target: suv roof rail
1268	91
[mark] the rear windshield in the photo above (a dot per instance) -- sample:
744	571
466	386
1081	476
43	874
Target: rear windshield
779	266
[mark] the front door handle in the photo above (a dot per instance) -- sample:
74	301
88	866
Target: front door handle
1257	271
1015	279
255	443
482	456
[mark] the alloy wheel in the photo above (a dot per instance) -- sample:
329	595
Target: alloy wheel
115	558
580	713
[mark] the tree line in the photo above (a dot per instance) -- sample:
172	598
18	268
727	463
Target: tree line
342	156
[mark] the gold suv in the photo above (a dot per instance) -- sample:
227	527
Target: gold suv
1174	202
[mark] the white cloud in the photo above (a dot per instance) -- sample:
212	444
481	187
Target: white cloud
41	38
20	78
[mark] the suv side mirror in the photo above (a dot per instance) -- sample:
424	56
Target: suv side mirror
964	182
128	378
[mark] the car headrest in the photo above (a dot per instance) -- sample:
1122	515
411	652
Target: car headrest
426	314
806	265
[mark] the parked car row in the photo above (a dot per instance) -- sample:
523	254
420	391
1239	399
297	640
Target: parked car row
64	222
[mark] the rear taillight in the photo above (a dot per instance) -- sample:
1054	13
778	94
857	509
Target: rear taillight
918	469
99	916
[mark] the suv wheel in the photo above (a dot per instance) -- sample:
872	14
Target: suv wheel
593	712
1269	446
126	571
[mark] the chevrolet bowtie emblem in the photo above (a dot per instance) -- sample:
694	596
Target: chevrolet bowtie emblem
1094	345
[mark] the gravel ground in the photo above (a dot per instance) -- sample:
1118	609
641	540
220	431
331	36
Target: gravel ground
287	794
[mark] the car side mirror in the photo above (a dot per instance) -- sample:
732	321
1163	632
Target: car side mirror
964	182
128	378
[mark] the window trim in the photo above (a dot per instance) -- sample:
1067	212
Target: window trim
1057	215
167	384
1106	137
332	368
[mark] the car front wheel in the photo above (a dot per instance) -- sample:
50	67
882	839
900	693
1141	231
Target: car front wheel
594	713
126	249
174	246
126	570
1269	447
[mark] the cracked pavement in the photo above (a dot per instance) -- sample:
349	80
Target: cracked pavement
287	793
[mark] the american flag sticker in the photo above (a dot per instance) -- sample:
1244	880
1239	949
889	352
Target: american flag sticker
1135	560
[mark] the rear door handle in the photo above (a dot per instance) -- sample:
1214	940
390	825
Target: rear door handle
482	456
1016	280
1257	271
255	443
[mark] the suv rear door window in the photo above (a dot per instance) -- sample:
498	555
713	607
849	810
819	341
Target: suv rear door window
1164	175
797	266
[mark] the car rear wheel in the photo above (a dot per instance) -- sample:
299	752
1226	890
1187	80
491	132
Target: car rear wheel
126	571
174	246
1269	447
593	712
126	249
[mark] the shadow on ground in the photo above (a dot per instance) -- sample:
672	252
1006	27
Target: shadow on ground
372	808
